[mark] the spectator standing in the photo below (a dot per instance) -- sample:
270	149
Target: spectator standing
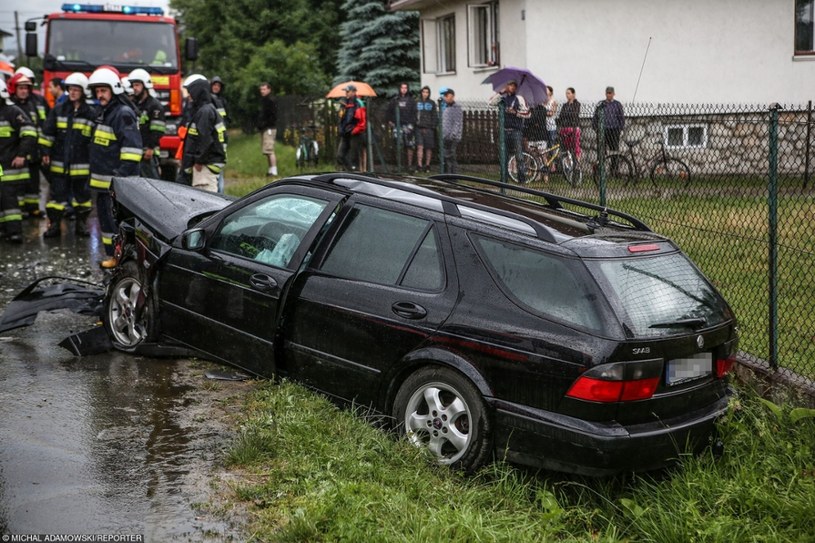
551	116
406	106
152	125
569	121
426	121
613	122
451	126
267	122
204	155
516	112
216	87
65	144
353	123
56	88
17	141
20	86
115	149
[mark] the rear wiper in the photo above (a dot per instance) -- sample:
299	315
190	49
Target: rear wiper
694	322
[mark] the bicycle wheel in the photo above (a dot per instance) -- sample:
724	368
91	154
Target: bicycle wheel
619	172
530	166
570	168
670	174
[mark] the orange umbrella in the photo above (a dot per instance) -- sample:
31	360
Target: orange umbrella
363	89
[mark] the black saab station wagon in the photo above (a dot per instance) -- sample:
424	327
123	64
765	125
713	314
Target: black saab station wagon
552	333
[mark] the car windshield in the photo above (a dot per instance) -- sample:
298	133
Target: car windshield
662	295
126	44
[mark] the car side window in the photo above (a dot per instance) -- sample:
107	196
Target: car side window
269	230
386	247
545	283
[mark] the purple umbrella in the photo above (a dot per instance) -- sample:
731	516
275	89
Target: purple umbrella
529	85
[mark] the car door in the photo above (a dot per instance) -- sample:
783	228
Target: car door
382	284
223	299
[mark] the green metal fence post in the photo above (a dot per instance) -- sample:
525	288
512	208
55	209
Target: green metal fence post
370	142
441	135
502	139
398	139
601	151
773	235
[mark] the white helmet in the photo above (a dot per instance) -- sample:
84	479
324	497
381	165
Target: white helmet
4	92
77	79
26	72
140	74
127	86
106	76
192	79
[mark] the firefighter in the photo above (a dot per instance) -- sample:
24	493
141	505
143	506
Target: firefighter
18	140
21	87
64	143
115	149
204	154
151	120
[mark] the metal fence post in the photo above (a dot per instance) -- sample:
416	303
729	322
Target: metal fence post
809	144
502	139
601	151
398	138
370	142
441	135
773	235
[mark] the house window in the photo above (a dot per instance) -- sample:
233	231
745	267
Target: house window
439	45
483	34
688	136
804	30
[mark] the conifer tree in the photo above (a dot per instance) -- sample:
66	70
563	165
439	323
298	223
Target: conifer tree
378	46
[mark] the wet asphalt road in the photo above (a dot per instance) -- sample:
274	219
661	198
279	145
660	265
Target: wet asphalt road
109	443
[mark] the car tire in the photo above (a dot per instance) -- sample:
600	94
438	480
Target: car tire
126	330
441	410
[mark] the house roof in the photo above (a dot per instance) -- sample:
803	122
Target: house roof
404	5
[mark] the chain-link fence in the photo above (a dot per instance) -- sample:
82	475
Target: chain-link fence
731	184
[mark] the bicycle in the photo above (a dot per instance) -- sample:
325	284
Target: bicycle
540	158
308	150
664	170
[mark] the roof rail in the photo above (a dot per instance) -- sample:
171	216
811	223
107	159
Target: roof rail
553	200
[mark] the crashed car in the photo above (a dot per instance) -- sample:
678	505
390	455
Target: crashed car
488	321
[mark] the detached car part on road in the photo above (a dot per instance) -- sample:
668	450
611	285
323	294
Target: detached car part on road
554	332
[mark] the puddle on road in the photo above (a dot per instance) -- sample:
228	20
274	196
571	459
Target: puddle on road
109	443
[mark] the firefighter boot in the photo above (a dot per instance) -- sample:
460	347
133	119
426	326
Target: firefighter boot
54	223
81	225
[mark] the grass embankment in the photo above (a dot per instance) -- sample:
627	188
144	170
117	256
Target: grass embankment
310	472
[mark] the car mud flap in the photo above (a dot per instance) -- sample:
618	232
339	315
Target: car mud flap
76	295
93	341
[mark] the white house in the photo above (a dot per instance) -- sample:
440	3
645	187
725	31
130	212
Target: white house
656	51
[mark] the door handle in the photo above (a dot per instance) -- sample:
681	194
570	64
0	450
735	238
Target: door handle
409	310
262	282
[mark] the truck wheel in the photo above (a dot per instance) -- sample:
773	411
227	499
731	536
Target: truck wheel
128	316
439	409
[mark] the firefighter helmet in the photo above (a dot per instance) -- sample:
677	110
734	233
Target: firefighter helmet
107	77
17	80
192	79
28	72
127	86
4	92
140	74
77	79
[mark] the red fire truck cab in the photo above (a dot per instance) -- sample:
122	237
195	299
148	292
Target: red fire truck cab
83	37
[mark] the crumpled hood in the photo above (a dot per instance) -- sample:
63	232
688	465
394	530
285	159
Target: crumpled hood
167	208
199	91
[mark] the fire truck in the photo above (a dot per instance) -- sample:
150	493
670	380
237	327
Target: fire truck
83	37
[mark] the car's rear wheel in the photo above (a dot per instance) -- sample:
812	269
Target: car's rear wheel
439	409
129	315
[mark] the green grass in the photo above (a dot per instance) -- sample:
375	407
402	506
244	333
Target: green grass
312	472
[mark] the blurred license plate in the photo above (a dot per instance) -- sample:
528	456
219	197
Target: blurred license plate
686	369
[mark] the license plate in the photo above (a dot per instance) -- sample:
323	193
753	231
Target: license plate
689	368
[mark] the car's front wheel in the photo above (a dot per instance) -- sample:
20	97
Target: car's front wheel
129	314
439	409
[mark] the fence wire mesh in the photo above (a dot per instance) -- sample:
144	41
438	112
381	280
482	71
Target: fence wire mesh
700	174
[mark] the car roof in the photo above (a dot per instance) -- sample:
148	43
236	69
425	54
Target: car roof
539	214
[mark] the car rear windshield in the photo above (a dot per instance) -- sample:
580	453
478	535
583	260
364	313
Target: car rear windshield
661	295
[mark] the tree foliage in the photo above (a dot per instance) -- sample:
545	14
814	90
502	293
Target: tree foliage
378	46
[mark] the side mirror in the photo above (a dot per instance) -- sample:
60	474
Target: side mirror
193	240
191	49
31	26
31	44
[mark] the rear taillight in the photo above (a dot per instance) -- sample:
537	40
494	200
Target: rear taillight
723	366
618	382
